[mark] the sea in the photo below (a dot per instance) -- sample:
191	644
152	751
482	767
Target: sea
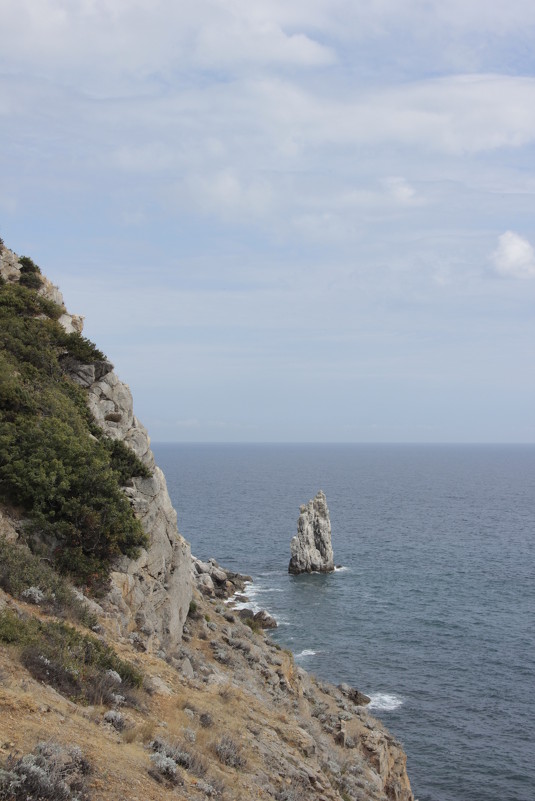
431	611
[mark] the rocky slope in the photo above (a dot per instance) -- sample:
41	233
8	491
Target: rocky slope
222	712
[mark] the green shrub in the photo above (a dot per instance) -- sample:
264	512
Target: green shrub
55	463
75	664
20	570
27	265
79	347
30	280
124	461
253	624
193	610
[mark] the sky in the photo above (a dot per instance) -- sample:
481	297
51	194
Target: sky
285	220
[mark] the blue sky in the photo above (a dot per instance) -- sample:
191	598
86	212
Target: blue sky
285	221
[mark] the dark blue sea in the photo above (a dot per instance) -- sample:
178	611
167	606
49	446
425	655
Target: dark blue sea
433	613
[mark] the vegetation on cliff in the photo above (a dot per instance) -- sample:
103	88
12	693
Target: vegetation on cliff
220	712
56	465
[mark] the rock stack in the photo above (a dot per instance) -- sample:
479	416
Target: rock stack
311	548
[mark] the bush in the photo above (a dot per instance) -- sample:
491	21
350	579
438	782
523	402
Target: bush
115	719
79	347
22	572
55	462
26	302
164	767
193	610
28	266
75	664
31	280
53	772
124	461
181	755
228	752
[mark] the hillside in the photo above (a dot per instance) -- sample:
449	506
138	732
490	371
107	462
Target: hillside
124	671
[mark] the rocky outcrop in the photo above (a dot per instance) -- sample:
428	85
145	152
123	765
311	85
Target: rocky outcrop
149	597
311	548
153	593
214	581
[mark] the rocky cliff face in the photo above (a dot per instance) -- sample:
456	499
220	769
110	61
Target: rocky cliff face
152	594
149	597
223	712
311	548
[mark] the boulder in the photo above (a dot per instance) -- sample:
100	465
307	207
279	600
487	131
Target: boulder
354	695
265	620
311	548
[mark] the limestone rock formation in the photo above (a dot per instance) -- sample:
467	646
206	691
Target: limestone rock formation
149	597
311	548
152	593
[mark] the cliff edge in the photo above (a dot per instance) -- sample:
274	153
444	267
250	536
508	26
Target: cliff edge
158	689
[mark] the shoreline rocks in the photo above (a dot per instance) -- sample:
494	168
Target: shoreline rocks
311	548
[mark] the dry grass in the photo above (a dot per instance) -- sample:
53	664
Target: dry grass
240	732
142	732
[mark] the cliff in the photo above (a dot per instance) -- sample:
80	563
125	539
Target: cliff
149	596
156	688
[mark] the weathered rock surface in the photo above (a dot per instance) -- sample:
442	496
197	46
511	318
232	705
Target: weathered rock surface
7	527
265	620
311	548
213	580
152	593
354	695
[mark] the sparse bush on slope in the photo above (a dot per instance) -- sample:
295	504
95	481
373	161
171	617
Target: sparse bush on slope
22	573
79	666
53	772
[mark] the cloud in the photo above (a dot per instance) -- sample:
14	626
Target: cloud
402	192
514	256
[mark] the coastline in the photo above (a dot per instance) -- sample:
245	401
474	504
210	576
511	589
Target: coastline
210	706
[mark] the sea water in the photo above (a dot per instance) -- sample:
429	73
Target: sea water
432	610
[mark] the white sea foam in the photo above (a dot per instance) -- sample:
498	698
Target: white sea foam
385	702
268	589
340	568
306	652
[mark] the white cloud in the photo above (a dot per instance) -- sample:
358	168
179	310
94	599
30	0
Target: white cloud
402	192
514	256
227	194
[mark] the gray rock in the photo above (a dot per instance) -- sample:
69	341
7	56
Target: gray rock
265	620
187	669
8	527
354	695
205	583
311	548
201	567
218	575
